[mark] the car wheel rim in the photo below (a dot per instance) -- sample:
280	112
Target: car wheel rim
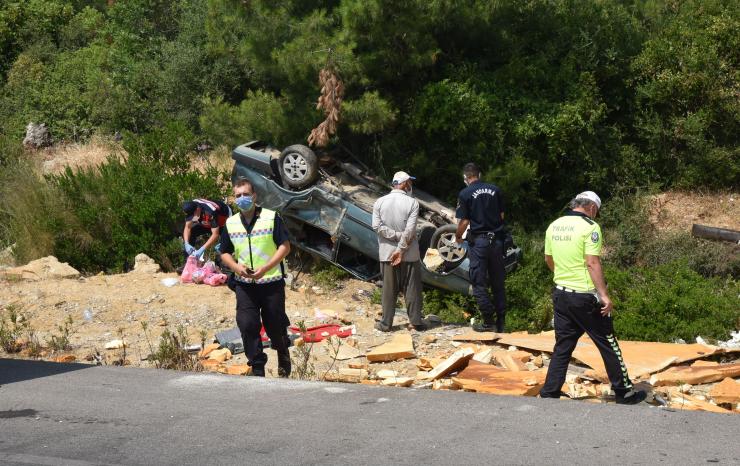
295	167
448	249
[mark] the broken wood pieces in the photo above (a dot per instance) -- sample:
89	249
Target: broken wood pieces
727	391
457	361
695	374
400	347
485	378
477	336
347	375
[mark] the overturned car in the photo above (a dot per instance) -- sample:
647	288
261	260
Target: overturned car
327	205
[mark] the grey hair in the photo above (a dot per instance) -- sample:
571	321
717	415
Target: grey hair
580	202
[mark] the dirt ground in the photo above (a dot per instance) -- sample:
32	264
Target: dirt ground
676	210
119	304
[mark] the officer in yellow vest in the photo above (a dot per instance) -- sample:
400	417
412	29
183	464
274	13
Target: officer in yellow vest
253	244
580	299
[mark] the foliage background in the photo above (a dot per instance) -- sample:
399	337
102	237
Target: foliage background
550	97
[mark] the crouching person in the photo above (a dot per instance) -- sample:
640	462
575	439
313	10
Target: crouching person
253	244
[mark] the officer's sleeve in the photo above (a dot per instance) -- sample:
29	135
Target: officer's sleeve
227	247
280	231
548	241
592	246
462	212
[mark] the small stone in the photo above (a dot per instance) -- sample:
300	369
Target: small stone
115	344
429	339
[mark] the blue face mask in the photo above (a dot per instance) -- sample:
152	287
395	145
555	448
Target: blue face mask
244	202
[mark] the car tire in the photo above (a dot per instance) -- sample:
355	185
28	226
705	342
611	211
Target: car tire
299	166
443	240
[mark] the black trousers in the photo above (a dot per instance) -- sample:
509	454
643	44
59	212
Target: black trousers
487	269
576	313
258	304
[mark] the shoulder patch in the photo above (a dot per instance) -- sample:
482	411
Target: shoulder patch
595	237
588	220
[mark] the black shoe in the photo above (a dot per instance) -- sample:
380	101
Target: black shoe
631	398
284	365
484	327
554	395
258	371
423	325
382	327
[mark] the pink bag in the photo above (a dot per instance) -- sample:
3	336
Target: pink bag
215	279
191	266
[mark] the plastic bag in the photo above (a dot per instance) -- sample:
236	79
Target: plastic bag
191	265
215	279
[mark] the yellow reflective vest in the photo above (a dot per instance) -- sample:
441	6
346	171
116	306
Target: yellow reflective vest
255	249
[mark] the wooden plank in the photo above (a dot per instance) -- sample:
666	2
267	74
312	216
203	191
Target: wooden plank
484	356
457	361
477	336
485	378
400	347
641	358
727	391
695	375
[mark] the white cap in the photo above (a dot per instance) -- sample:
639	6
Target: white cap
400	177
591	196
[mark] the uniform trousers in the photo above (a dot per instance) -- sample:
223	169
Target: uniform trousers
576	313
257	305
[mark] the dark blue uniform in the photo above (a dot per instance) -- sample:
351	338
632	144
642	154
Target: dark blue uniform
482	204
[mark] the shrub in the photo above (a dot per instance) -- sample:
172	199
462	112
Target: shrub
124	208
30	212
12	327
171	352
672	301
329	276
61	342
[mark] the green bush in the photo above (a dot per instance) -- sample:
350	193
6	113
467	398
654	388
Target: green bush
672	301
328	276
127	207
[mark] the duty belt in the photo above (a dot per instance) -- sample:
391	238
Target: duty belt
570	290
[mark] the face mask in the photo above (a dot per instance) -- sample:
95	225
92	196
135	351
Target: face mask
465	180
244	202
410	191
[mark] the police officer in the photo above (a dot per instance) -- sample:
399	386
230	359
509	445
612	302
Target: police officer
253	244
581	302
481	207
203	217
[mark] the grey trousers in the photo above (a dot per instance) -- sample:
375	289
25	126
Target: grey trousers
405	277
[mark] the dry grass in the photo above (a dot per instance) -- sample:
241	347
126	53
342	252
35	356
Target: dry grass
90	154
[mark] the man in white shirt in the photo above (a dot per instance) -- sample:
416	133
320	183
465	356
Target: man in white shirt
394	220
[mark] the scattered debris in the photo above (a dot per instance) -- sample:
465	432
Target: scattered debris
727	391
485	378
477	336
208	349
457	361
695	375
401	346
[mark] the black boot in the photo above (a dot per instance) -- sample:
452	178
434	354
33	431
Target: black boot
284	365
486	326
632	397
258	371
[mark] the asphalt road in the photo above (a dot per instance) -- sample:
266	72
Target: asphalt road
73	414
